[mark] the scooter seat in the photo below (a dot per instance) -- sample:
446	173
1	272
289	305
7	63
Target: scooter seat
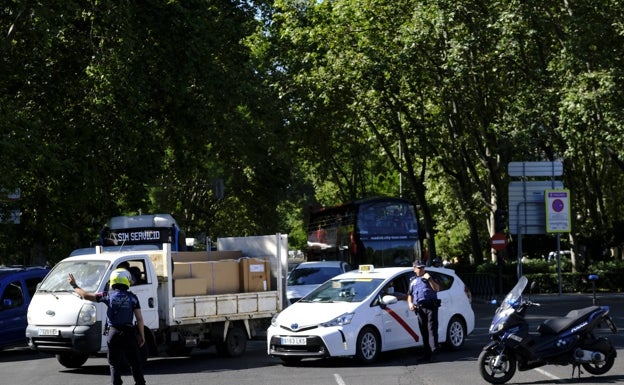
557	325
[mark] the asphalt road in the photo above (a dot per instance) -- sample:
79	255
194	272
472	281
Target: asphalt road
21	366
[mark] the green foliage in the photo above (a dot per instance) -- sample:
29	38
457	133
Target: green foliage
452	242
465	89
117	108
112	109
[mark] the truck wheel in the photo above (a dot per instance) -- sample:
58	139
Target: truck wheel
72	360
235	343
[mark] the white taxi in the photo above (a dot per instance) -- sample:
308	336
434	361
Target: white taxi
355	315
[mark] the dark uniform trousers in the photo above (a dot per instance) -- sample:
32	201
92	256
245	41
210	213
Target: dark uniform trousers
123	350
428	323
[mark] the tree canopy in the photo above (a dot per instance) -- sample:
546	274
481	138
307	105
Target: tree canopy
118	108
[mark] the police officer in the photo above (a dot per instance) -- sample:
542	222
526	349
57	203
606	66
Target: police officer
124	341
422	298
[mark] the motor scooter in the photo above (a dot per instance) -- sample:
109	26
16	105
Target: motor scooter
567	340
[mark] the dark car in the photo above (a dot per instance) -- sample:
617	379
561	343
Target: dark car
17	286
307	276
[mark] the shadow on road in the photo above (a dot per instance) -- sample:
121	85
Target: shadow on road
21	354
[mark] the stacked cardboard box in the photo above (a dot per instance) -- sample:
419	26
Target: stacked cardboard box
211	277
189	286
225	276
255	274
184	284
221	276
181	270
198	256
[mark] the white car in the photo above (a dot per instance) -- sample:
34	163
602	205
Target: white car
351	315
307	276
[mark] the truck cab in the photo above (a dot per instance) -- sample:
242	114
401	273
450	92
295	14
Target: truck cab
61	322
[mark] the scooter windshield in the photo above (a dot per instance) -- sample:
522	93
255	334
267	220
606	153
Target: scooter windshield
514	297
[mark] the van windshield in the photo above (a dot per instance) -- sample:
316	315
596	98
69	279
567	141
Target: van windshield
88	275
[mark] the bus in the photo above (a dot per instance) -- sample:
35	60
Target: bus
382	231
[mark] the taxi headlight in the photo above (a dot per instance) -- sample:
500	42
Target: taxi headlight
274	320
87	315
341	320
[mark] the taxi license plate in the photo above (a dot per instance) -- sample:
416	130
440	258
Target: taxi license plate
48	332
293	340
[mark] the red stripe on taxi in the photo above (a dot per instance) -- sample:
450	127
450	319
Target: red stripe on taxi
402	323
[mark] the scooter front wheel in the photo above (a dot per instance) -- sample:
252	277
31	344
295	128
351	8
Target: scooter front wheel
496	368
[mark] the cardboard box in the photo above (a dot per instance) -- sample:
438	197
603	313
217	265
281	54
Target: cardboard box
225	254
189	286
222	276
225	277
255	274
181	270
201	269
198	256
189	256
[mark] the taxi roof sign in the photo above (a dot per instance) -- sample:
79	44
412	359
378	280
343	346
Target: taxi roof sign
367	268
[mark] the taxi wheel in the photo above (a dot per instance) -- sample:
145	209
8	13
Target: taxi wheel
368	346
455	333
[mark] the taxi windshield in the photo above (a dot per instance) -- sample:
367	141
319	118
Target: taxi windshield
344	290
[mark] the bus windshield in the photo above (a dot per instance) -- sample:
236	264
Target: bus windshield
378	231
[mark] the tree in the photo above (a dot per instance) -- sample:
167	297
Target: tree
465	87
112	109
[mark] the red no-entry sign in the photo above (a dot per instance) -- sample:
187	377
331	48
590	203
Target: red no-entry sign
498	241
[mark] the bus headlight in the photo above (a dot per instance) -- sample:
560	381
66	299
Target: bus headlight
87	315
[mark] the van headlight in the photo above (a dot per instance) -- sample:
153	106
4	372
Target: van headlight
341	320
87	315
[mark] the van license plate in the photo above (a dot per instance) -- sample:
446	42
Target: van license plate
293	340
48	332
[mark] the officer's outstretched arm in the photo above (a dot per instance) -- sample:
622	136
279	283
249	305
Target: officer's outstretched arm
80	291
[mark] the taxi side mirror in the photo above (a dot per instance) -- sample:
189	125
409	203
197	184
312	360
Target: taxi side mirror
389	299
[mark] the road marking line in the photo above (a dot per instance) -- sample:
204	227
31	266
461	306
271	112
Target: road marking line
339	379
547	374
